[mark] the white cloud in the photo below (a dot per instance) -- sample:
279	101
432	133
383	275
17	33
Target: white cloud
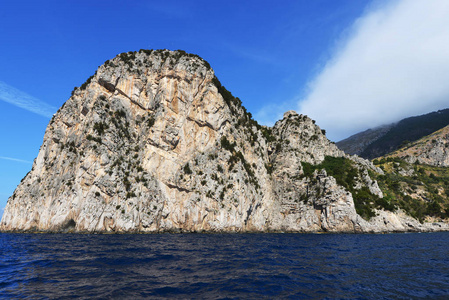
393	64
23	100
16	159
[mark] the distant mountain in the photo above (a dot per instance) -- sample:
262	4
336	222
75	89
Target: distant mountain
379	141
358	142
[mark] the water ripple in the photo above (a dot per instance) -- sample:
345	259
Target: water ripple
224	266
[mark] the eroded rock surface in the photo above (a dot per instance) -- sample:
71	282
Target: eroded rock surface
153	142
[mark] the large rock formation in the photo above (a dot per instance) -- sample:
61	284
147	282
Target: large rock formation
153	142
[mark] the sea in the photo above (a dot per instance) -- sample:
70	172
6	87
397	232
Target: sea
224	266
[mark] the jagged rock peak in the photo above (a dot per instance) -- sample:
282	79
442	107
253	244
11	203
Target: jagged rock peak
305	138
289	113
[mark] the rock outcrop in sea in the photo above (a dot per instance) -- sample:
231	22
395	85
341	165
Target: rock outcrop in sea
154	143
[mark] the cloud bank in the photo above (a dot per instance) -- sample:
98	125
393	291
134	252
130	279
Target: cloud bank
394	63
23	100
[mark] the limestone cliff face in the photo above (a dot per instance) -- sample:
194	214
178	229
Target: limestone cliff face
152	142
306	204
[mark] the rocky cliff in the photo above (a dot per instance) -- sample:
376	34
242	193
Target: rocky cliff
153	142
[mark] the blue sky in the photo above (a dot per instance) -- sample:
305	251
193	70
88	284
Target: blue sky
273	55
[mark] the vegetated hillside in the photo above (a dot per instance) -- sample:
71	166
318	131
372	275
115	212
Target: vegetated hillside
401	133
431	150
422	191
153	142
416	176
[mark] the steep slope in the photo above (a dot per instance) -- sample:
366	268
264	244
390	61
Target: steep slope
153	142
380	141
421	191
430	150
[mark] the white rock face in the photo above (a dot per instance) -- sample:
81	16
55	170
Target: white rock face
153	142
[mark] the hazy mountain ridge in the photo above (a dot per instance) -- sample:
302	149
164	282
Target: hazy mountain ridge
357	143
379	141
153	142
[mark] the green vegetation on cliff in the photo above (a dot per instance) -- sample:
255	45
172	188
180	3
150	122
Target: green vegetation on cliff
420	190
347	175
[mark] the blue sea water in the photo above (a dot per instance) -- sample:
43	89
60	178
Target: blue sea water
225	266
